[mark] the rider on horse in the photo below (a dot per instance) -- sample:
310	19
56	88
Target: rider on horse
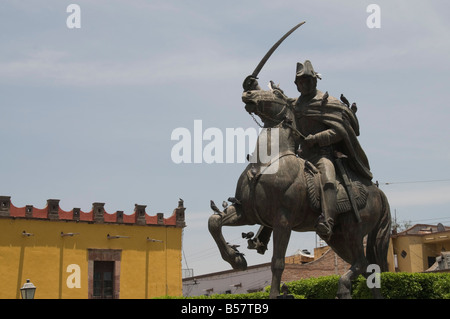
324	129
329	127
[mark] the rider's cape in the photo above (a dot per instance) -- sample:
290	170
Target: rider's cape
341	118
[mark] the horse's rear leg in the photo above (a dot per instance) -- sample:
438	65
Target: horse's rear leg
228	218
281	235
350	247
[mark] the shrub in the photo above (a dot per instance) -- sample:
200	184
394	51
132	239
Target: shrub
253	295
399	286
441	286
314	288
317	288
360	289
393	286
407	286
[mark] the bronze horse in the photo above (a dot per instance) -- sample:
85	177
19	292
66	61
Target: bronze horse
279	201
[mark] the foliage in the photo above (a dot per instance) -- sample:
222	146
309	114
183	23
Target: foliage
441	287
253	295
407	286
315	288
393	286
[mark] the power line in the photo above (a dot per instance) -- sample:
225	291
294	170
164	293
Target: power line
416	182
427	219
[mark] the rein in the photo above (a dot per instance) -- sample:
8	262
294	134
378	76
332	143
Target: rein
269	118
282	122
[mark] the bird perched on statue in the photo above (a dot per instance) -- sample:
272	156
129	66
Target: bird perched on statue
214	207
344	100
248	235
354	108
324	99
224	204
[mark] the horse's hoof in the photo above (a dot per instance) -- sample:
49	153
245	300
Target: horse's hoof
239	262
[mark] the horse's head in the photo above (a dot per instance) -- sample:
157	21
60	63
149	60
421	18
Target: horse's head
268	105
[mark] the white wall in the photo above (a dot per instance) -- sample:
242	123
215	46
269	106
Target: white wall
236	282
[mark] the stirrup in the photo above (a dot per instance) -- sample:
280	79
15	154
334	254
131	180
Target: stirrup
324	228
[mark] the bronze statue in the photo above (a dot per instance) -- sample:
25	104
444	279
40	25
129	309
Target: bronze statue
307	192
330	127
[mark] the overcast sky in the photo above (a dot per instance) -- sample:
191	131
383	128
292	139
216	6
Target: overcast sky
87	113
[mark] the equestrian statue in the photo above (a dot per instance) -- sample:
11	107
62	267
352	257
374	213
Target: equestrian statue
316	178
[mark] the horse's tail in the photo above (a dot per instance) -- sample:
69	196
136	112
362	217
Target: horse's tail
378	237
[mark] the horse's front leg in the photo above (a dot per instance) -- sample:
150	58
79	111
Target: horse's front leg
281	235
345	281
230	217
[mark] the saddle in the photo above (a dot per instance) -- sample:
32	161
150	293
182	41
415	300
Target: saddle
359	191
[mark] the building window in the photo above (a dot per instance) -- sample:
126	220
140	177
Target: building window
103	279
431	261
104	273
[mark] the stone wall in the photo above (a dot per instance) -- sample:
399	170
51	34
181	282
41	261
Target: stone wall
327	264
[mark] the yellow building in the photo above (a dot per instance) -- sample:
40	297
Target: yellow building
416	249
79	255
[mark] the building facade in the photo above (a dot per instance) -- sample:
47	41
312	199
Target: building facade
254	278
80	255
417	248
